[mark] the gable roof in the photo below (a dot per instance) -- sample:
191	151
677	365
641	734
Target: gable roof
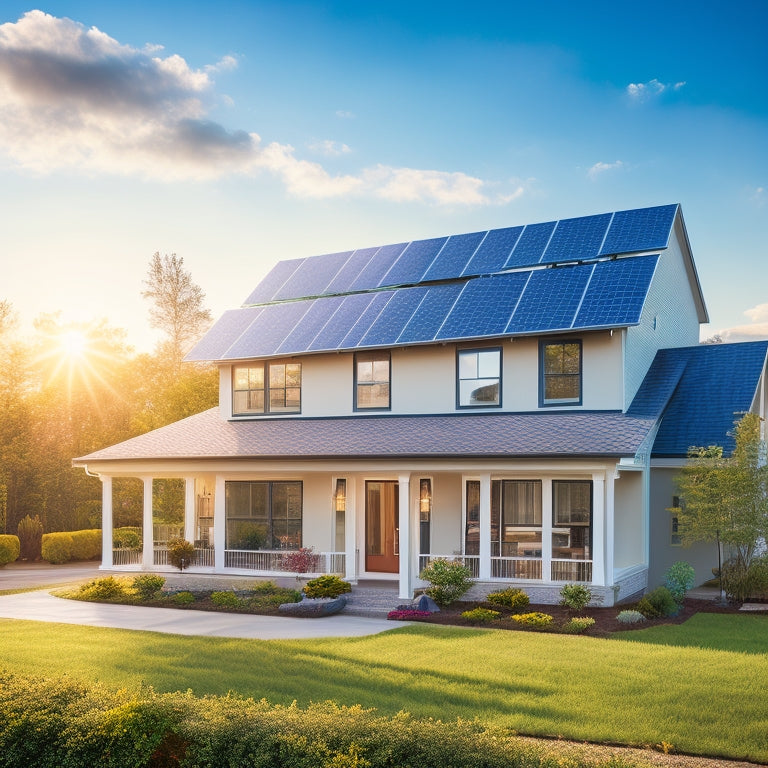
575	274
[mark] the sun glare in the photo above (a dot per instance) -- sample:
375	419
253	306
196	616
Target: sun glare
73	344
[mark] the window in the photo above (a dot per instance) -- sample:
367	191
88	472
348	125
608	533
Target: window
572	520
516	518
560	366
472	527
263	515
674	533
372	381
425	514
266	388
479	377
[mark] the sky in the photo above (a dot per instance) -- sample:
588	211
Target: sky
236	134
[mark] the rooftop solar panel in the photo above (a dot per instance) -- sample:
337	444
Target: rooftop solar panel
393	318
223	333
493	252
531	245
312	276
454	256
341	322
356	263
642	229
380	263
577	239
413	262
268	330
366	320
273	281
431	313
301	337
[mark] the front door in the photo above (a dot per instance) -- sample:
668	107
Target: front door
381	526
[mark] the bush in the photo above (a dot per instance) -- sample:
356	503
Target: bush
303	560
86	545
630	617
576	597
578	624
326	586
679	579
480	615
106	588
742	583
450	579
126	538
57	547
534	619
511	598
180	553
9	549
30	532
405	614
759	577
225	599
183	598
658	603
148	585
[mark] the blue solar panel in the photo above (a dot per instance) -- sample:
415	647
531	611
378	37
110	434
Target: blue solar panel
366	320
311	278
273	281
577	239
431	313
642	229
223	333
616	292
531	245
377	267
301	337
454	256
268	330
550	299
342	321
394	317
351	270
413	262
494	251
484	306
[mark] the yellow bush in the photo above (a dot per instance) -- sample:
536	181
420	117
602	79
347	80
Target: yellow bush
57	547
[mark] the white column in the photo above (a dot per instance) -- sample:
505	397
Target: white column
148	531
189	508
610	526
219	523
106	522
598	529
546	529
350	531
404	523
485	527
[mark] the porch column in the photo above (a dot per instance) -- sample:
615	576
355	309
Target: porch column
189	509
148	531
106	522
598	529
219	523
404	523
610	535
484	572
350	531
546	529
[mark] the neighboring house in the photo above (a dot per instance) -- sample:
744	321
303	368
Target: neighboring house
519	398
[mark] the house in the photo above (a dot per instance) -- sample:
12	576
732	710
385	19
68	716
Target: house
519	398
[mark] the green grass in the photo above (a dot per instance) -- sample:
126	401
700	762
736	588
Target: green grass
701	701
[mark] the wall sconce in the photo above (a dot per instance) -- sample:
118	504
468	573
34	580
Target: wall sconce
340	497
425	496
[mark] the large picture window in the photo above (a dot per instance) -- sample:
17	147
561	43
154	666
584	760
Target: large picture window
516	518
266	388
572	519
263	515
372	381
479	377
560	365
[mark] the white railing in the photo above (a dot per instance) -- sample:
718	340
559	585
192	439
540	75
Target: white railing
123	556
274	560
204	557
471	561
572	570
515	567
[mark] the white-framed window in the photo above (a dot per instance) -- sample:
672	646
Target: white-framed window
478	373
266	387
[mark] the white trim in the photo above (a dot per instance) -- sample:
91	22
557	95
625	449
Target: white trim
148	529
107	523
404	523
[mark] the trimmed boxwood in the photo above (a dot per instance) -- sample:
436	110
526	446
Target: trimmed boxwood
9	549
86	545
57	547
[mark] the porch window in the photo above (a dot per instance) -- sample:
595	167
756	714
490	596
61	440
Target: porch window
273	387
472	529
263	514
340	513
425	514
372	381
560	373
479	377
516	518
572	520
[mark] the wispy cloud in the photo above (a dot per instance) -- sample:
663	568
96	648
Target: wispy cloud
756	328
345	114
641	92
330	148
758	196
600	168
76	98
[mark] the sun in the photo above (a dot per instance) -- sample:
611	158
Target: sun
73	344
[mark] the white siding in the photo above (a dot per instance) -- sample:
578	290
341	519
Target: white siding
628	521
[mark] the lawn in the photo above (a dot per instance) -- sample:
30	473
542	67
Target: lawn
700	700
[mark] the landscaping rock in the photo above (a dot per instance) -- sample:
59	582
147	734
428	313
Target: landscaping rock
312	608
424	603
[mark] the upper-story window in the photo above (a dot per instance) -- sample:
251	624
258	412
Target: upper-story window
266	388
373	372
479	377
560	372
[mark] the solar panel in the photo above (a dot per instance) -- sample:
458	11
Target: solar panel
223	333
377	267
366	320
641	229
341	322
301	337
413	262
577	239
550	300
394	317
454	256
531	245
493	252
616	292
484	306
273	281
314	274
431	313
351	270
268	330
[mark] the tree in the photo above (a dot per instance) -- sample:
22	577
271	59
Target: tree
177	304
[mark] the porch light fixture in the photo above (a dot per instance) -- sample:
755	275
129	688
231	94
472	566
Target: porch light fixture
340	497
425	495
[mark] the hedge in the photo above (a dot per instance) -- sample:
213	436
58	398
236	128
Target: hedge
86	545
68	724
57	547
63	546
10	549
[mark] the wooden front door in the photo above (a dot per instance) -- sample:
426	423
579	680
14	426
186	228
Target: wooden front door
381	526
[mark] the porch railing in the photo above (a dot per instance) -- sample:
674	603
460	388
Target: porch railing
515	568
571	570
123	556
520	567
274	560
471	561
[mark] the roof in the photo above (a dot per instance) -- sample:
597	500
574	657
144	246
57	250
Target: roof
583	273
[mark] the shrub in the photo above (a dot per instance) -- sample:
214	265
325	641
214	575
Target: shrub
658	603
183	598
126	538
86	545
30	532
578	624
180	553
147	585
326	586
106	588
405	614
480	615
449	580
576	597
225	599
512	598
534	619
303	560
9	549
630	617
57	547
741	583
759	577
679	579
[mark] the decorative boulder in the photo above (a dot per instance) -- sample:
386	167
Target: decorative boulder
424	603
312	608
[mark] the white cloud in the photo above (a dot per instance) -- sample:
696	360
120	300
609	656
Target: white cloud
758	196
643	91
345	114
72	97
330	148
757	328
599	168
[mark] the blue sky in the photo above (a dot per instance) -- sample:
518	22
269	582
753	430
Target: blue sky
239	133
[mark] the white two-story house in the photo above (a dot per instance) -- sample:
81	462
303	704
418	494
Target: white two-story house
519	399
